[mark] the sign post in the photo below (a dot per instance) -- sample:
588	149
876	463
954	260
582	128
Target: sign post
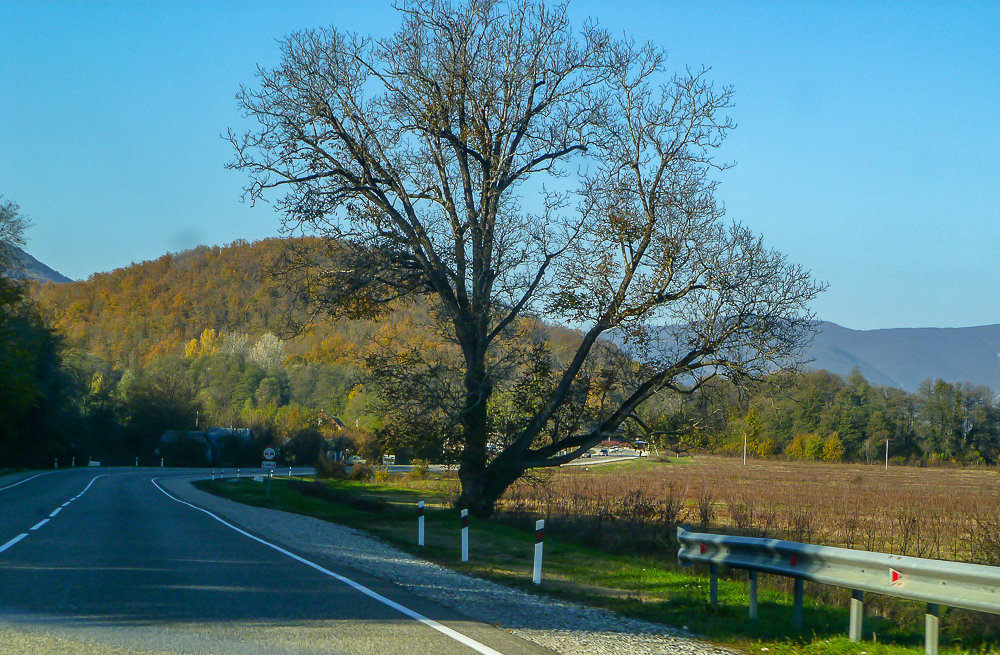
465	535
420	523
269	464
536	575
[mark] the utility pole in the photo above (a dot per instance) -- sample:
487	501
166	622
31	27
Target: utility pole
886	454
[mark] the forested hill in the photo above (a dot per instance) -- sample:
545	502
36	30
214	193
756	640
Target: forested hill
134	314
905	357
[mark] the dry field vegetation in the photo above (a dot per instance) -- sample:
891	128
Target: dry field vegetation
924	512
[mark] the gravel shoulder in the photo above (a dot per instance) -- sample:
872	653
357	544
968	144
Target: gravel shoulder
562	626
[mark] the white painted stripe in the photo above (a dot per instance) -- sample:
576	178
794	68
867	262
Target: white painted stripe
431	623
39	524
66	503
26	479
13	541
53	514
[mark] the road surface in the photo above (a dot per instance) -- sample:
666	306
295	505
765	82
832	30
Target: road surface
97	560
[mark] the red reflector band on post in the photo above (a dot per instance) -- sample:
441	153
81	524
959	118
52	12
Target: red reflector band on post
420	508
538	536
465	521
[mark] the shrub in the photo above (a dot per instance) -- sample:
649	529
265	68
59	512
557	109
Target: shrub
381	474
361	471
325	469
419	470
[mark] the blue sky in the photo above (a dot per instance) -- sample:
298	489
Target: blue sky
868	146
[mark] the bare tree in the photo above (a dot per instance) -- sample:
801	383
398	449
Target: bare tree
491	158
12	227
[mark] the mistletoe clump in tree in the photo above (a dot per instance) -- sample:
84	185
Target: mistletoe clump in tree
490	158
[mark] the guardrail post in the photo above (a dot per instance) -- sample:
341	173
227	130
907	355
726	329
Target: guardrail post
465	535
536	574
420	523
797	606
753	595
857	615
931	629
713	584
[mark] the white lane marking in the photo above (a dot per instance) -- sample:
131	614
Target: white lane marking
53	514
431	623
66	503
44	521
13	541
26	479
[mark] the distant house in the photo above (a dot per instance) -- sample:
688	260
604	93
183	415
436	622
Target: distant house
213	440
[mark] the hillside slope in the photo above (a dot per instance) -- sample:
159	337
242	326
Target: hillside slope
156	307
29	268
904	357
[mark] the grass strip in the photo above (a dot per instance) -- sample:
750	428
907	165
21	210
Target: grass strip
641	587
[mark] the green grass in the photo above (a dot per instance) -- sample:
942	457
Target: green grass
641	587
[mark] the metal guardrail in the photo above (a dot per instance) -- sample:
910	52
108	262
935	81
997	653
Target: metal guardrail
935	582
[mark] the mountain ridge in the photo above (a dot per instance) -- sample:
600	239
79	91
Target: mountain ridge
905	357
29	268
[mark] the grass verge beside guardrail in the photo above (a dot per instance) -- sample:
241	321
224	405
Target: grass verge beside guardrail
640	587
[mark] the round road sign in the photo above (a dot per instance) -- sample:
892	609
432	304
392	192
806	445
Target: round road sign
269	454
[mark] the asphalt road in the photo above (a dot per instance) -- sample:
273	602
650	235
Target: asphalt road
99	560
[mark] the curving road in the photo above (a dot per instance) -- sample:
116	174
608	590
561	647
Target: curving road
108	561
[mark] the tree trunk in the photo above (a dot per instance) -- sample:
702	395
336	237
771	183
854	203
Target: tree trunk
482	488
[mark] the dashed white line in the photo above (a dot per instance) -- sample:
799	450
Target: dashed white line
13	541
431	623
56	511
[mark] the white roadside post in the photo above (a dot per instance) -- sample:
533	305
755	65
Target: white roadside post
161	462
420	523
73	463
289	471
213	474
56	465
465	535
137	462
536	575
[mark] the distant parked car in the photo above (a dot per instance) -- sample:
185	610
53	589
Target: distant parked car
604	451
587	454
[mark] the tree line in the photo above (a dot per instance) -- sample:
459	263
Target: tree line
817	415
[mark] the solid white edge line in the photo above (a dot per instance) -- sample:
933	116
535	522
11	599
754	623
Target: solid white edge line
25	480
13	541
66	503
53	514
39	524
431	623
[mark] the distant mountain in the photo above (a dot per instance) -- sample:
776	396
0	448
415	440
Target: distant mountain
905	357
29	268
